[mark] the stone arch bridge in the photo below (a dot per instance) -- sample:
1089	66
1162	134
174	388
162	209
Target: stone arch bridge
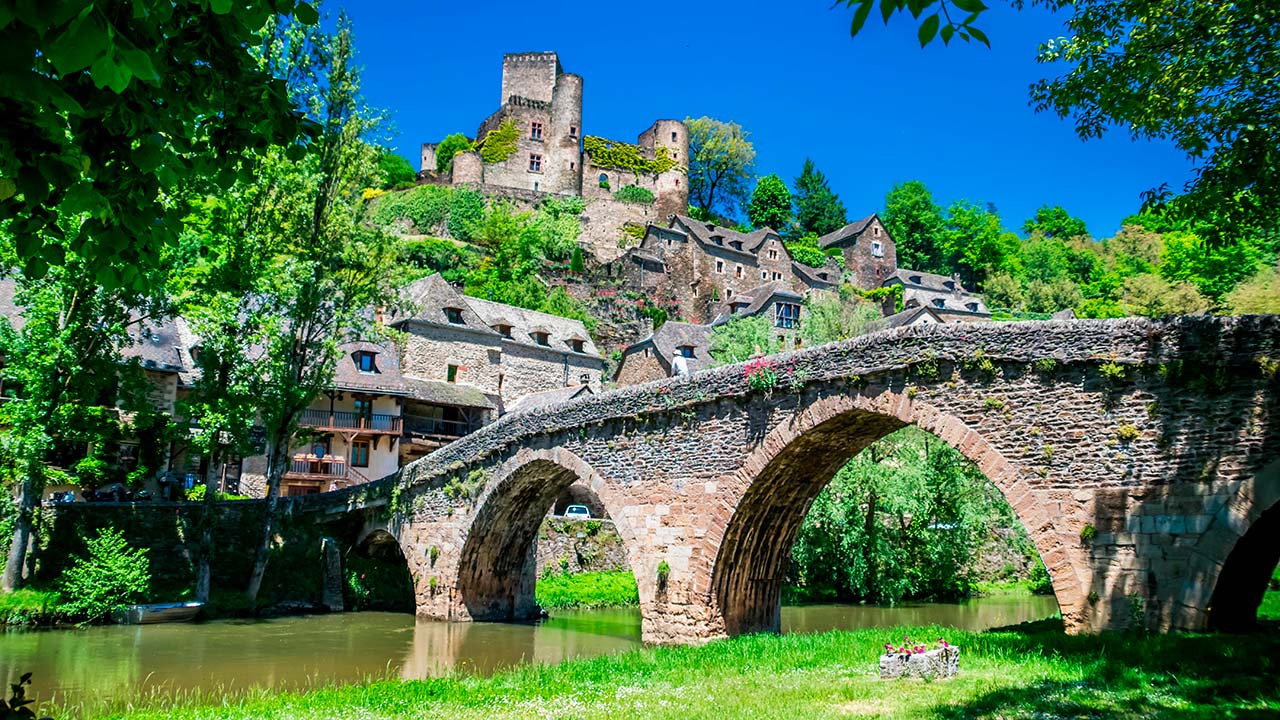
1141	456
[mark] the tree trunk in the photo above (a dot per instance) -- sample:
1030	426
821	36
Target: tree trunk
277	459
23	530
203	566
869	545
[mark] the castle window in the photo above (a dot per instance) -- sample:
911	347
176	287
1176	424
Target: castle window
451	374
364	361
573	130
454	315
535	185
677	182
535	163
570	165
535	131
673	136
360	454
719	266
877	248
786	315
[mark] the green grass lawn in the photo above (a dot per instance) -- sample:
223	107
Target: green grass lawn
1030	672
587	590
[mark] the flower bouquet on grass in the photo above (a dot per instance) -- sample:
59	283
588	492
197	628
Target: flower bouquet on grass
918	660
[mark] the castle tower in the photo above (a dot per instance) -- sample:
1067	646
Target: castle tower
672	189
564	144
529	75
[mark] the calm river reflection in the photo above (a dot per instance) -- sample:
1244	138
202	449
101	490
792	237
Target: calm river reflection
121	661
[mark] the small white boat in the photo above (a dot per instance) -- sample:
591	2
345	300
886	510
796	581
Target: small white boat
158	613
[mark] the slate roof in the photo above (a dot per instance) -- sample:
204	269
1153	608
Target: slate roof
425	301
667	340
390	380
547	398
753	301
810	274
925	288
707	232
909	316
853	229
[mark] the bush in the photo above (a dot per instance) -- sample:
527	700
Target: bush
28	607
466	209
426	206
112	575
587	590
196	494
634	194
805	255
448	147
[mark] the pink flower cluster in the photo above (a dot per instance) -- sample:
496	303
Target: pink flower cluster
909	648
757	365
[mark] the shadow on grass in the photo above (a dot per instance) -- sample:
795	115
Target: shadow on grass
1130	676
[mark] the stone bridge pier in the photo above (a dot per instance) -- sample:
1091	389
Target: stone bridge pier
1141	456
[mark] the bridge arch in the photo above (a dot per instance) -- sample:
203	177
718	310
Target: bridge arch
496	572
793	463
1246	541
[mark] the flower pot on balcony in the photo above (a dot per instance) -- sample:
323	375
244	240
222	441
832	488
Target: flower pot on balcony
943	662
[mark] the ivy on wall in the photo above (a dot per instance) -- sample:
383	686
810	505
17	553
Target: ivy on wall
499	144
625	156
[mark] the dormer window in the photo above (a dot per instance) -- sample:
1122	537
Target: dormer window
823	276
737	244
578	345
973	306
939	303
542	338
915	279
686	351
951	284
503	330
454	315
365	363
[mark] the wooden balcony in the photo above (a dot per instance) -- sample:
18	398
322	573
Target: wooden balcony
310	467
347	421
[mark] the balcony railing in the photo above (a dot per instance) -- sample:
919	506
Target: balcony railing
415	425
347	420
310	466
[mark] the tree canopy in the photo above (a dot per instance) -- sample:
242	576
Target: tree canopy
721	161
818	209
115	110
770	204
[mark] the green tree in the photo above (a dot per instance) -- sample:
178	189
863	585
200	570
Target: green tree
450	146
114	110
1259	295
1150	295
330	266
829	318
916	225
742	338
1054	222
1213	269
1004	291
1052	296
818	209
976	245
770	204
394	170
721	161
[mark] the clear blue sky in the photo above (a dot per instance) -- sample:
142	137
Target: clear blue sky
871	111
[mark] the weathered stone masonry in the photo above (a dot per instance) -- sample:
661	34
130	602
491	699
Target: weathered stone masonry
1137	453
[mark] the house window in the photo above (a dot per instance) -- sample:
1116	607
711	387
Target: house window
877	248
364	408
451	374
686	351
454	315
773	254
503	330
764	275
786	315
577	345
877	231
535	186
501	377
737	272
360	454
777	276
570	165
535	163
542	339
604	179
782	341
364	361
535	131
939	302
719	266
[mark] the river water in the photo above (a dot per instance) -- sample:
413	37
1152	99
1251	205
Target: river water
122	662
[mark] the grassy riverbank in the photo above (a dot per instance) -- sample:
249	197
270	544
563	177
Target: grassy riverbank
1031	672
557	591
